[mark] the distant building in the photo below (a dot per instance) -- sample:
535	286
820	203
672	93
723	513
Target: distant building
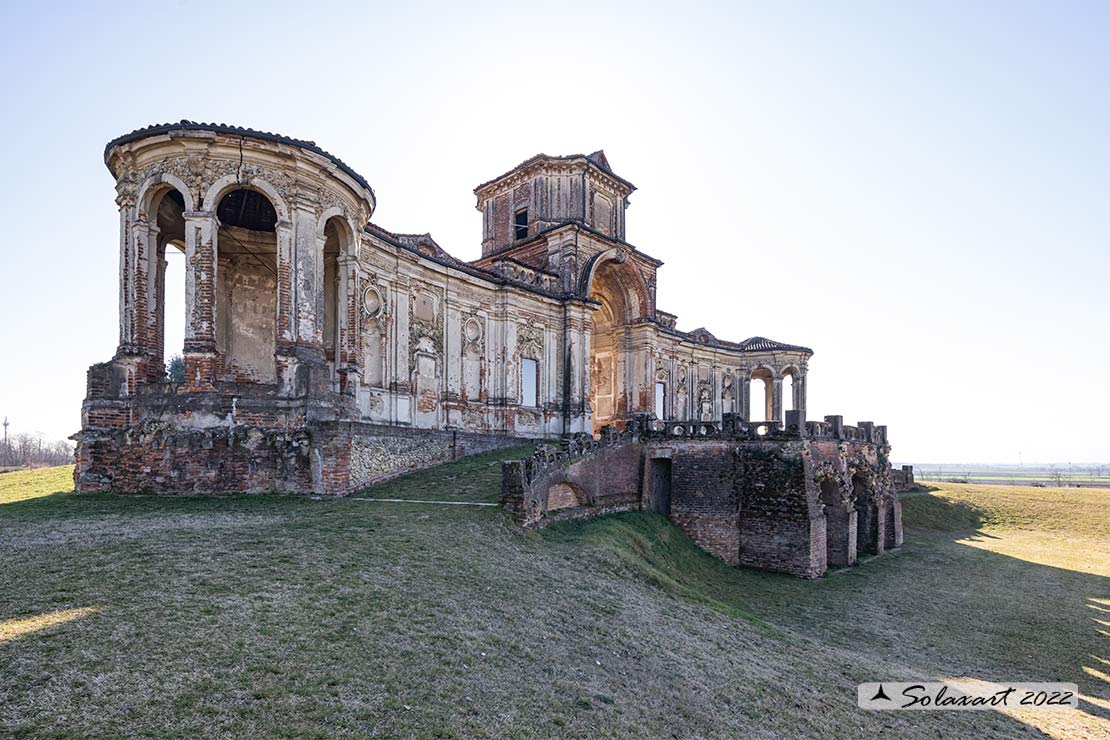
903	479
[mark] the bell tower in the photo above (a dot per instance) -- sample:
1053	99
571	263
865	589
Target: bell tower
547	191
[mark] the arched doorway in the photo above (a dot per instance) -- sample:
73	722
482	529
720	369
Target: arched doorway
246	289
617	287
867	517
338	244
760	394
168	215
840	525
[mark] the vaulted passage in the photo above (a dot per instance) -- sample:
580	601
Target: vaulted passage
867	518
246	275
170	279
616	287
605	349
840	525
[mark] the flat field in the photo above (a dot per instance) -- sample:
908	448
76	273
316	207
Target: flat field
286	616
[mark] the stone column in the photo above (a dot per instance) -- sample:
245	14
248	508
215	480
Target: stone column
349	355
201	229
159	305
307	275
137	240
744	394
775	412
800	395
126	205
717	388
285	288
147	301
152	281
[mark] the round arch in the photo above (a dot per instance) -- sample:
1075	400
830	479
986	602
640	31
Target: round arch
336	238
228	183
613	283
345	229
564	495
789	377
152	188
761	407
632	281
245	238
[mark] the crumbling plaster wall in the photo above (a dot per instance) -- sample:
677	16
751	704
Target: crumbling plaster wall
416	339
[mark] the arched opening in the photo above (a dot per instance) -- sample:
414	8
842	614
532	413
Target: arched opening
246	289
337	241
608	389
760	389
840	525
890	530
563	496
788	403
867	514
660	492
168	215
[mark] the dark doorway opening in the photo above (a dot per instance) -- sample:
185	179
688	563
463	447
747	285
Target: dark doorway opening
661	486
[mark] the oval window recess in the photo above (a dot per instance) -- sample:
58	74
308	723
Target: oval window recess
372	302
473	330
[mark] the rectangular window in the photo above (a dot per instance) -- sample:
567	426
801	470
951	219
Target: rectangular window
529	382
660	400
520	223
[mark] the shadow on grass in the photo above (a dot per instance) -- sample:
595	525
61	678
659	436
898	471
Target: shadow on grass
919	488
938	607
942	514
67	504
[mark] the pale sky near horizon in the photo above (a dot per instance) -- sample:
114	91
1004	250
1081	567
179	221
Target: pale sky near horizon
919	192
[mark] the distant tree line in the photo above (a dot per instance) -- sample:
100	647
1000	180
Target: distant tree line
33	451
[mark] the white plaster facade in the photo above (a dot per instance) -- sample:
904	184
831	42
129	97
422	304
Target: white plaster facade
389	328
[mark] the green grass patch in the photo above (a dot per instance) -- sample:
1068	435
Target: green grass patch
648	547
476	478
20	485
957	506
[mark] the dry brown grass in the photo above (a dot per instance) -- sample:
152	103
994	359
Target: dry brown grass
281	616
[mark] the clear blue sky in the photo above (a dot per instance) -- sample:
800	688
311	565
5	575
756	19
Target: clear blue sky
920	192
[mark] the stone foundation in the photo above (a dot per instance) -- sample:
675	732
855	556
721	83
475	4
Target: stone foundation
324	458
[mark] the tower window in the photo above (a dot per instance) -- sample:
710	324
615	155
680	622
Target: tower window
520	223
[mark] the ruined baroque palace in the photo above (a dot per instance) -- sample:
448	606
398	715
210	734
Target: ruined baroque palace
323	353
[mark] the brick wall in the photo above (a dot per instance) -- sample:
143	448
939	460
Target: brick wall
782	527
326	458
157	459
754	503
704	495
605	480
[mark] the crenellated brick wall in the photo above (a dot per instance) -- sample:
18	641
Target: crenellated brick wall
753	496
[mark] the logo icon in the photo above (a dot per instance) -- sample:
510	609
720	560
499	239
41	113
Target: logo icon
880	694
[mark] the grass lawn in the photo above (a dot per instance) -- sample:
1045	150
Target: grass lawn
285	616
